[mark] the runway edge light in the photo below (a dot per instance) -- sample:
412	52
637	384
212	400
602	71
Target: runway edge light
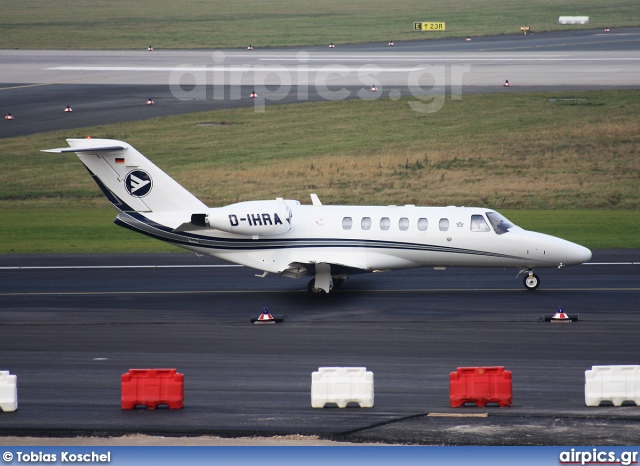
559	316
267	318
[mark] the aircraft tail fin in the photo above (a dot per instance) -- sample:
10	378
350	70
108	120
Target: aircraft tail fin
129	180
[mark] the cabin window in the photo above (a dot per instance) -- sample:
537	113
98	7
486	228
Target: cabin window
347	223
499	223
423	223
478	223
365	223
385	223
403	224
443	224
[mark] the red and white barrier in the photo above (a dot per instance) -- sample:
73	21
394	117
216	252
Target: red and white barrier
342	385
152	387
616	384
8	392
480	385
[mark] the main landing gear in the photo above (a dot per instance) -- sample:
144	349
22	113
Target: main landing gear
311	286
531	280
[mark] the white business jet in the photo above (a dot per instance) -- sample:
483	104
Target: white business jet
328	243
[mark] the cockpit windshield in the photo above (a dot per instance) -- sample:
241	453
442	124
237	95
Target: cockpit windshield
499	223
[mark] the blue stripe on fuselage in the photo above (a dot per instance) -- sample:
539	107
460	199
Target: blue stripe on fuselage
142	224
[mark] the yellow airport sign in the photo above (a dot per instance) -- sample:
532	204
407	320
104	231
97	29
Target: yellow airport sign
428	26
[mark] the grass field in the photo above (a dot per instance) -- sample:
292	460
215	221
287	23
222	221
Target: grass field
558	155
168	24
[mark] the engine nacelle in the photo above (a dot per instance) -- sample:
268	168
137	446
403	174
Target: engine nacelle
248	218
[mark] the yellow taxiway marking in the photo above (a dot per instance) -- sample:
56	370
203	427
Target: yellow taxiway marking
457	414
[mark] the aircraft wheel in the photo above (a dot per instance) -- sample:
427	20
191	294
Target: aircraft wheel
311	288
531	281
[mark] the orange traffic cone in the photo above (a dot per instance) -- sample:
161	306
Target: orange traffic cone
68	109
150	101
9	117
253	95
331	46
506	84
265	318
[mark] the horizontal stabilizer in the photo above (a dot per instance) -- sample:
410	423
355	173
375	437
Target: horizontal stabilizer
64	150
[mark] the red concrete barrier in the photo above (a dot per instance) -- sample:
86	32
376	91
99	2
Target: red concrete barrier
480	385
152	387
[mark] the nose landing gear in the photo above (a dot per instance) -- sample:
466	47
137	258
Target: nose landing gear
531	280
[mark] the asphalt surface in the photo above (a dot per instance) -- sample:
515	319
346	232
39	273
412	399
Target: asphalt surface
104	87
72	325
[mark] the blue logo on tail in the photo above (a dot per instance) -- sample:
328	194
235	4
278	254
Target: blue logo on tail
138	183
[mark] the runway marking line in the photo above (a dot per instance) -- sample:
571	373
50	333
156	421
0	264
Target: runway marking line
72	267
561	45
195	266
191	292
49	84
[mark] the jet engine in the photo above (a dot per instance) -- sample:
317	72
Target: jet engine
248	218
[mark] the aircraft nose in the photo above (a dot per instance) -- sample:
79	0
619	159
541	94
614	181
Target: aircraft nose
577	254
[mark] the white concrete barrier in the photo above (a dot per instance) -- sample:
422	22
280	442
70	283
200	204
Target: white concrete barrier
616	384
573	20
8	392
342	385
